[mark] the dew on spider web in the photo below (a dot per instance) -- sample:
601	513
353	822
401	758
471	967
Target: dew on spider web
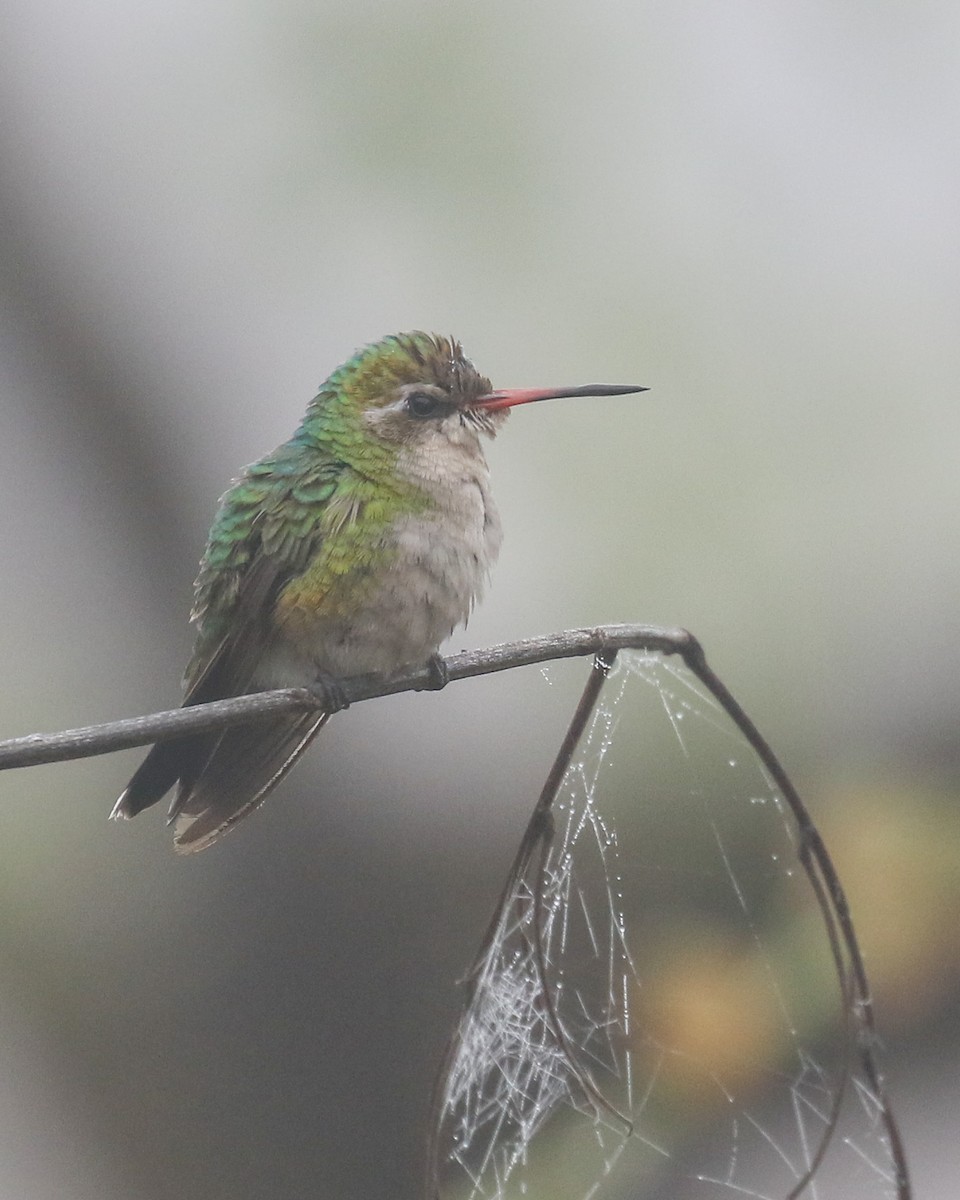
658	1010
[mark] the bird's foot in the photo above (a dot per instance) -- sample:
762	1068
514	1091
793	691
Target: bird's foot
438	674
329	691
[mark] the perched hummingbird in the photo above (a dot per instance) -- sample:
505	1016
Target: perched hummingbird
356	547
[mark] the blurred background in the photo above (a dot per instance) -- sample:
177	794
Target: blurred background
752	208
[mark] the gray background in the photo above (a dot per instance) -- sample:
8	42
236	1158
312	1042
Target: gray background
750	207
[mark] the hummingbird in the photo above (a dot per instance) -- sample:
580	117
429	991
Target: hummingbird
356	547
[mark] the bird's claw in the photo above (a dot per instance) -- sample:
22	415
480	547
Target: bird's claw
329	691
438	674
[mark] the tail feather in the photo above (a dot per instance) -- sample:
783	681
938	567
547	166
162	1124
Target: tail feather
166	763
219	778
222	776
246	764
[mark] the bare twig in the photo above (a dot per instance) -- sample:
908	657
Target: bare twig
38	748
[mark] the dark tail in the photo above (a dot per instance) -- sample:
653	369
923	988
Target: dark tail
219	777
165	765
246	765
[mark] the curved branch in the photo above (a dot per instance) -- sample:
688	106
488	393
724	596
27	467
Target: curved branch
37	748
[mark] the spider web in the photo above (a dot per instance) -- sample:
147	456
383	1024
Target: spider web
661	1008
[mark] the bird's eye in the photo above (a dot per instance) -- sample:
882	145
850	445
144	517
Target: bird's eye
422	404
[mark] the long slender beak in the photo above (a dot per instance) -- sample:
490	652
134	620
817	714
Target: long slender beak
512	396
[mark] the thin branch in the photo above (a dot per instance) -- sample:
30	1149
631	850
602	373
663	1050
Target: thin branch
37	748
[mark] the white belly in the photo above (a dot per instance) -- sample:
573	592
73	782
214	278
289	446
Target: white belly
435	572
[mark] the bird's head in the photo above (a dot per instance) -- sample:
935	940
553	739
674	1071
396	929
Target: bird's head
419	390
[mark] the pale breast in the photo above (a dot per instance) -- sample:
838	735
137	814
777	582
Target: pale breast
434	569
438	565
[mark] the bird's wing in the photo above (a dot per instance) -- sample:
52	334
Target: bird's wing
265	532
259	542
